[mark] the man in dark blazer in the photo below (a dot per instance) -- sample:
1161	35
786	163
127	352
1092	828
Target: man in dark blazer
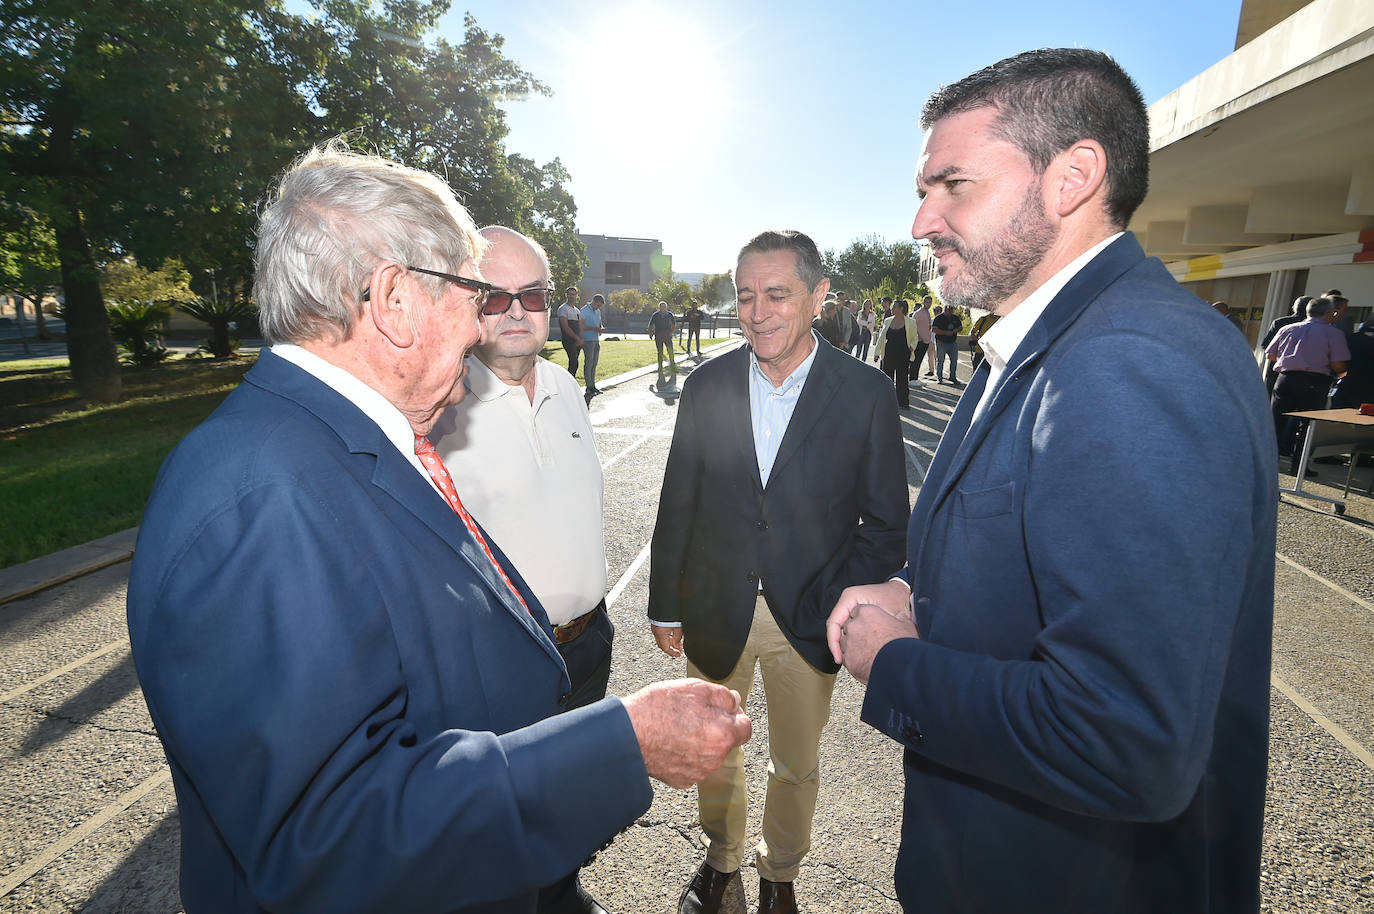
1076	656
785	484
357	693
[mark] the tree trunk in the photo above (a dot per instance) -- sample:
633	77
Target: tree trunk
91	349
40	324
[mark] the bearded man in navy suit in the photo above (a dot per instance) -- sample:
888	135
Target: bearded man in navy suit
357	693
1085	715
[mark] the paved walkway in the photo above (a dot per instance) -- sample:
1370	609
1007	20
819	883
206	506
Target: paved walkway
89	818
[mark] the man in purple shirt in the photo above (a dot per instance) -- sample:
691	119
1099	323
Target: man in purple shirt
1305	355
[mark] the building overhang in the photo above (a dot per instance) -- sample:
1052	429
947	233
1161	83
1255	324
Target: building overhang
1272	145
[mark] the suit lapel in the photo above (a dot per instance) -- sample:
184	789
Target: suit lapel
1066	307
738	422
392	473
820	387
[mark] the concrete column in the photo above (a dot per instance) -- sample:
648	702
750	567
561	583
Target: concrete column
1278	301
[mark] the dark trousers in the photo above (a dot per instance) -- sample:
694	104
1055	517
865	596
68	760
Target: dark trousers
588	659
572	349
693	332
921	349
897	366
865	337
1295	391
977	357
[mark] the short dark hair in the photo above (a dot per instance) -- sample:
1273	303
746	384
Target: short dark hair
808	256
1320	306
1050	99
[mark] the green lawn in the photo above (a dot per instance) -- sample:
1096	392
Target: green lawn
74	473
70	473
619	356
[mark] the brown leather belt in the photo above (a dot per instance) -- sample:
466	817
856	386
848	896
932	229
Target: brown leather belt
568	631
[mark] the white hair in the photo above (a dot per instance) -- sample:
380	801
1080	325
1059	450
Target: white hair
334	216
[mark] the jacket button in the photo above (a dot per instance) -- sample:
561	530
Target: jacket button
912	735
751	577
762	525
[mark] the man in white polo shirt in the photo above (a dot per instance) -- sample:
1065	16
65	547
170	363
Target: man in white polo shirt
521	445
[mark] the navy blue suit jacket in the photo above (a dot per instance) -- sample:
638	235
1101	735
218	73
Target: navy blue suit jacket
358	714
1092	567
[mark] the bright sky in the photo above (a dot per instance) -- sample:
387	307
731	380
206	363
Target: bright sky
703	122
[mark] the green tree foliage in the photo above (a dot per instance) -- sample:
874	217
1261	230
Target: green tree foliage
220	313
136	126
550	218
872	268
125	282
436	106
717	290
139	328
676	292
28	260
152	128
630	301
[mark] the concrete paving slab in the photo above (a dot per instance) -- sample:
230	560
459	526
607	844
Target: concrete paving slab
96	766
1336	671
129	865
57	626
45	571
1319	821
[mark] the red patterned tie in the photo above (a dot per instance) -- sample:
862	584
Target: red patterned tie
434	465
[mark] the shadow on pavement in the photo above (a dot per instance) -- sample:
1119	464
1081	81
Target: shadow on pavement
146	880
15	615
112	686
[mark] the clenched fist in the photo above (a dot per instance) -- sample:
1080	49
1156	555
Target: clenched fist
685	727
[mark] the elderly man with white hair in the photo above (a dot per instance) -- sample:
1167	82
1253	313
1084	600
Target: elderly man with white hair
356	689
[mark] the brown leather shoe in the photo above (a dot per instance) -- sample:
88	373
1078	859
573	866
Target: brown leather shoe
776	898
713	892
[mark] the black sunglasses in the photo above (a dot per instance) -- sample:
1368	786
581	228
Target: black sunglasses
499	301
483	289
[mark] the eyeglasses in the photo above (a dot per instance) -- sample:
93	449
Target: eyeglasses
499	300
483	289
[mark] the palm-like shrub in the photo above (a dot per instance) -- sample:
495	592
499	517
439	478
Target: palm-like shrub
219	314
138	327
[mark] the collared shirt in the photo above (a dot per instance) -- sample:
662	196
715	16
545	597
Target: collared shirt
518	464
1311	345
1001	342
921	317
771	406
591	324
393	423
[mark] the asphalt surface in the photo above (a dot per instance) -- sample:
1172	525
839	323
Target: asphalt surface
88	817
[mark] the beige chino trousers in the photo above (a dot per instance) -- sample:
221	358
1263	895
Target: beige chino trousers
798	697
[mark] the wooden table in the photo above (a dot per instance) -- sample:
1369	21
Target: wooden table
1332	431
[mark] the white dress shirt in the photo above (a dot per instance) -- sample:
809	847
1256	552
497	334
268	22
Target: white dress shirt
393	423
530	474
1000	343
